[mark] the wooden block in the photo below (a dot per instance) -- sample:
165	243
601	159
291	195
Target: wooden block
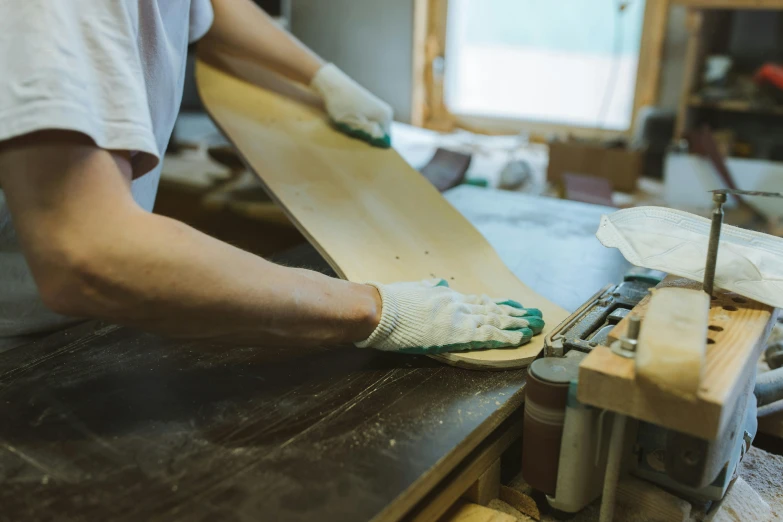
741	503
762	471
673	340
519	501
738	328
487	487
469	512
366	210
640	500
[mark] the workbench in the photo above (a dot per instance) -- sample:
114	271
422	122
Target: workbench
101	422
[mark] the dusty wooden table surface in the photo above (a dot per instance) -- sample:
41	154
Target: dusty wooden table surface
107	423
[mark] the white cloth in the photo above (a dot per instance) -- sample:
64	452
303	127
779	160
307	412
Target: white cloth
429	317
350	104
111	69
749	263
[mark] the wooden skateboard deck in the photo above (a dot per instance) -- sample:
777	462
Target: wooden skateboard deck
369	213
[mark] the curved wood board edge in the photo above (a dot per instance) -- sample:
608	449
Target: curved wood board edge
366	211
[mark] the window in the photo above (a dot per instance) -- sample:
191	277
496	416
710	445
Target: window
568	62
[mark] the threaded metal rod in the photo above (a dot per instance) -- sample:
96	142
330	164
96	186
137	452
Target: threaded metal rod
634	325
712	247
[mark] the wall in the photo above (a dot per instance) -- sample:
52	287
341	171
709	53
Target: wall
371	40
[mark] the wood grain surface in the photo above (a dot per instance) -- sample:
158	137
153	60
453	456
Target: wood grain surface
369	213
737	332
673	340
110	424
114	424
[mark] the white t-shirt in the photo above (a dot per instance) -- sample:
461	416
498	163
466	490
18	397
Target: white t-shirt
111	69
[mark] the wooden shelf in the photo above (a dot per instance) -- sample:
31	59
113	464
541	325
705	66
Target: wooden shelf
734	106
731	4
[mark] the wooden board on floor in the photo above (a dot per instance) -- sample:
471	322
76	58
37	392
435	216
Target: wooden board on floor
369	213
740	504
641	500
520	501
738	329
467	512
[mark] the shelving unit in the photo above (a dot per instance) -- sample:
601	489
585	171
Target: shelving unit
746	125
734	106
703	17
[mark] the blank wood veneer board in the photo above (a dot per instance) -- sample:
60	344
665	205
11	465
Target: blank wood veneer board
369	213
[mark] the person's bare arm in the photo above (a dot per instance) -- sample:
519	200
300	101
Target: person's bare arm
94	253
243	29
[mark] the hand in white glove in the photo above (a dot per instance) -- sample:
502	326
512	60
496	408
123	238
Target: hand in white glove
429	318
352	108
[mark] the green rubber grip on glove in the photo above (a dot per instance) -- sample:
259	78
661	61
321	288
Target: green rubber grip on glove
383	143
427	317
536	326
527	334
534	317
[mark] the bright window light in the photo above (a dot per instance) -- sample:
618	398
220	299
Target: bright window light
570	62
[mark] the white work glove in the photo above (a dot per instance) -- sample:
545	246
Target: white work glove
353	109
429	318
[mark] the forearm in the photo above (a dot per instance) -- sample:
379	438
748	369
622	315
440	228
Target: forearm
243	29
95	253
168	278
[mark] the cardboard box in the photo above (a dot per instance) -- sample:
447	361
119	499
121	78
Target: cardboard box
620	165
